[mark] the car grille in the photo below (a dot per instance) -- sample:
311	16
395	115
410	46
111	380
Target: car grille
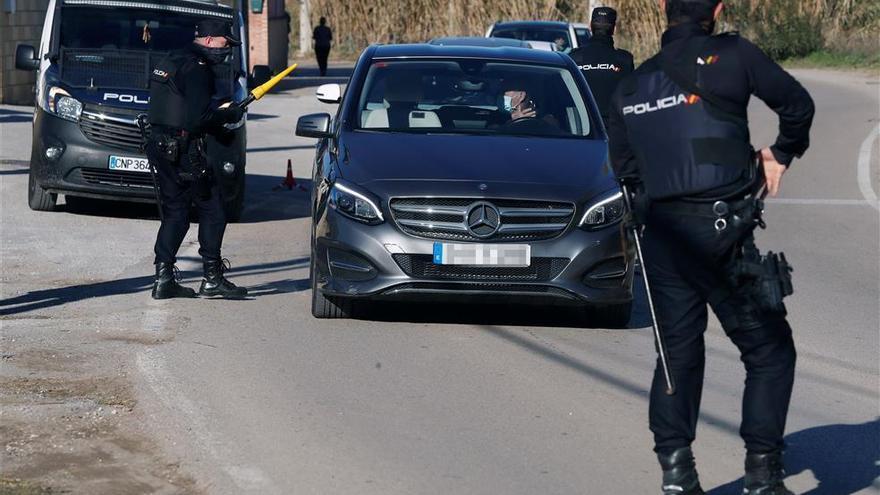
117	178
118	131
422	266
447	218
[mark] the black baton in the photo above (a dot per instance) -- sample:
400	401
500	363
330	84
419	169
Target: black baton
659	342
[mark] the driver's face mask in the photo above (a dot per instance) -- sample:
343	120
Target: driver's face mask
508	103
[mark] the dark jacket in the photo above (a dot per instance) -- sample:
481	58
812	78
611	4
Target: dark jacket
732	69
603	67
181	91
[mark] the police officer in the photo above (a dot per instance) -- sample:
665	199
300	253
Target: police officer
603	65
181	113
679	127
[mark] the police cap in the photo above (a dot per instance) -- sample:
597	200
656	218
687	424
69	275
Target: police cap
216	28
694	10
604	15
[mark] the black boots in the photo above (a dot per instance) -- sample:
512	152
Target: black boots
215	284
680	473
764	475
166	286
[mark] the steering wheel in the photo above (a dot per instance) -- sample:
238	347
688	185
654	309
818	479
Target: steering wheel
533	124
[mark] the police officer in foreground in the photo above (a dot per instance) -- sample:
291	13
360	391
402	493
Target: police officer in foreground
678	133
181	113
603	65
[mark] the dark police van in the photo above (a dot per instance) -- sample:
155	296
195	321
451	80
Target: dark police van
93	63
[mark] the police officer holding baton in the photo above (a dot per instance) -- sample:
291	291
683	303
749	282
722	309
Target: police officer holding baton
181	113
678	136
603	65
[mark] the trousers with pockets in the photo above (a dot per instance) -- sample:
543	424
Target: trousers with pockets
177	198
685	260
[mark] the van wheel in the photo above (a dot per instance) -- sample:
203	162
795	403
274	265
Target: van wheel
324	307
614	316
38	198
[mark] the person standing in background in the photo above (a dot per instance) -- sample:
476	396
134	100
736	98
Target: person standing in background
603	65
323	38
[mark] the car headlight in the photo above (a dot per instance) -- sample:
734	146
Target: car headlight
355	205
606	211
63	105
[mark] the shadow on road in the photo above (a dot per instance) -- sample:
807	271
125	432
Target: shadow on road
263	203
478	314
260	116
48	298
14	167
14	116
280	148
843	458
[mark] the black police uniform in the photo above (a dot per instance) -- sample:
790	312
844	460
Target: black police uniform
688	151
181	113
603	66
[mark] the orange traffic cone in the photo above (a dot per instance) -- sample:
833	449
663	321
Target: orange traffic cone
289	182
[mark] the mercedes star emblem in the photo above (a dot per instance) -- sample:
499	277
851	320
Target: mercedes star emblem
483	220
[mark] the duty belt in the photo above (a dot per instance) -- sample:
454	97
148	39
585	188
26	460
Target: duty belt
737	211
171	131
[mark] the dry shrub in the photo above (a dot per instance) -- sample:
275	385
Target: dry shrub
358	23
783	27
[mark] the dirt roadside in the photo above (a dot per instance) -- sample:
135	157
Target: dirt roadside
69	419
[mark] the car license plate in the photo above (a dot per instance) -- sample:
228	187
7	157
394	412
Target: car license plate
482	254
129	164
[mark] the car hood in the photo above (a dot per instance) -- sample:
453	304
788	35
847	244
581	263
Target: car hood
422	164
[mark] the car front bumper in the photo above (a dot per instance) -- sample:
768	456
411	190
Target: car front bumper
583	268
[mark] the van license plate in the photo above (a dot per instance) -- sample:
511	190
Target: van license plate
129	164
482	254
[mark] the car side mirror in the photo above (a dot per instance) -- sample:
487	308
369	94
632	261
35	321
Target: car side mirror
26	58
316	125
259	75
329	93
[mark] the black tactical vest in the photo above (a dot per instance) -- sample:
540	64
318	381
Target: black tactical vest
167	103
685	145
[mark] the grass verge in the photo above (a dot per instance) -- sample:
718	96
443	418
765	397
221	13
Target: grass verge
824	59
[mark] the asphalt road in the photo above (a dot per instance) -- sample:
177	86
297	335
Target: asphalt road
257	396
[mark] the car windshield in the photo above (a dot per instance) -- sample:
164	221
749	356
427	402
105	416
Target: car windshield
472	97
125	29
559	36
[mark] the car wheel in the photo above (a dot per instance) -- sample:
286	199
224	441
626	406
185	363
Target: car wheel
324	307
38	198
613	316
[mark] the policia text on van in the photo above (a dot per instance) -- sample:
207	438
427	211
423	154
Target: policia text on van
93	61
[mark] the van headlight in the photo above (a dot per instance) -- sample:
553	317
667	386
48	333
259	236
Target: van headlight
355	204
63	105
609	209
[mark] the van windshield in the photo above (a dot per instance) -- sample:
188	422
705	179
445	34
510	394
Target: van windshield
117	48
125	29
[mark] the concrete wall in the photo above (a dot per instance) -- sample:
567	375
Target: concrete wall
21	21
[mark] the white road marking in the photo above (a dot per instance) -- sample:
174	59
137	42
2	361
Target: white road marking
151	364
865	168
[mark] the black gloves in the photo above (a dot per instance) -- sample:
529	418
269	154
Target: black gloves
231	114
